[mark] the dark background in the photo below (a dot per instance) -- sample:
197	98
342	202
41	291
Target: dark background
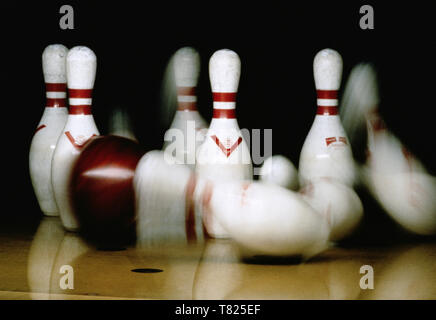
275	41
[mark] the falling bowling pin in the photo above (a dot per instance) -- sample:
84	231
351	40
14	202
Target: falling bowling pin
337	203
80	127
50	127
326	151
392	174
224	154
262	218
188	126
265	219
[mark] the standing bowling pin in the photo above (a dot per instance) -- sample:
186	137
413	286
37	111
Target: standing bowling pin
80	127
50	127
187	122
326	151
224	155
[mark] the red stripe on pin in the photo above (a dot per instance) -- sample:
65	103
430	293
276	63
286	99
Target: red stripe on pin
224	113
327	111
187	106
327	94
81	109
80	93
186	91
224	96
56	87
55	103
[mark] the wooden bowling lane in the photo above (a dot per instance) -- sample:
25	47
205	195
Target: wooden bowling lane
30	264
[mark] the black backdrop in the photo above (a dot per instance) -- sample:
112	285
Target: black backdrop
275	41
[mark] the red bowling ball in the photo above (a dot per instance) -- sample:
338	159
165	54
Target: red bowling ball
102	189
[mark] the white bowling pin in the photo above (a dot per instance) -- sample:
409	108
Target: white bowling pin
50	127
336	202
326	151
224	154
165	212
266	219
262	218
188	126
281	171
80	127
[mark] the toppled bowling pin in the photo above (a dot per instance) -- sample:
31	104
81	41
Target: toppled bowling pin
337	203
281	171
80	127
188	126
265	219
224	154
395	178
360	97
261	218
326	151
50	127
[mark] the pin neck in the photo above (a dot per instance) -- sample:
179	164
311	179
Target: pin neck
55	95
80	101
224	104
224	114
186	99
327	101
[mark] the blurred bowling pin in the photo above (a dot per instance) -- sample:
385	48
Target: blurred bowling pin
396	179
50	127
326	151
80	127
188	126
336	202
281	171
262	218
224	154
120	124
165	212
266	219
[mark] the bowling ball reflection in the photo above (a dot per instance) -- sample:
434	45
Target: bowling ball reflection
102	189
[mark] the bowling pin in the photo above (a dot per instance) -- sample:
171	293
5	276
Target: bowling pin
50	127
326	151
392	174
337	203
80	127
281	171
120	124
262	218
224	154
188	126
165	212
265	219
